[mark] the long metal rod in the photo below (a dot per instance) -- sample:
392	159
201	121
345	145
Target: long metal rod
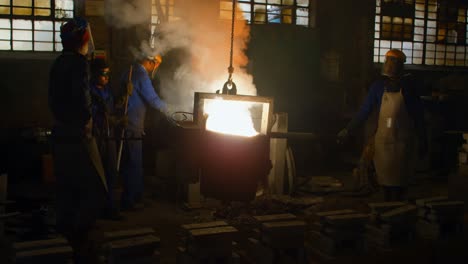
295	135
119	153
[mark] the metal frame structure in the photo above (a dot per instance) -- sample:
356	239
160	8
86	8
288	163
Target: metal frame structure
421	29
267	104
295	12
21	22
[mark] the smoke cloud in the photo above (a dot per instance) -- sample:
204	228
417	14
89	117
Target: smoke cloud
127	13
195	50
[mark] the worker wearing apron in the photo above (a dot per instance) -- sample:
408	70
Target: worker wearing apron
394	144
400	126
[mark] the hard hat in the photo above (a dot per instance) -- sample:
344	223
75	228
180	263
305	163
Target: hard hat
156	58
74	33
97	65
396	53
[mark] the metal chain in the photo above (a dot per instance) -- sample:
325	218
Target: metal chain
231	69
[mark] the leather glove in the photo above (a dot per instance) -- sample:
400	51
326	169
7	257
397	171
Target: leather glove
342	136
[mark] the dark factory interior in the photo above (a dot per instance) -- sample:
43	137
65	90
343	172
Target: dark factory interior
233	131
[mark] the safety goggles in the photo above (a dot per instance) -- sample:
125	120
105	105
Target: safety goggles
105	73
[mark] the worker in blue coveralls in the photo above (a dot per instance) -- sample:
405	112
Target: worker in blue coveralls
105	123
400	126
81	186
143	95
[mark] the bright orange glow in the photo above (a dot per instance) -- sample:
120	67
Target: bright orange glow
229	117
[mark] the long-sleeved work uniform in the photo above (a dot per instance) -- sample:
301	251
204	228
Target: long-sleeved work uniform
143	96
400	125
80	184
103	111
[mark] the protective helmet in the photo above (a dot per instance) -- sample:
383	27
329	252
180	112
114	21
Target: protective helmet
155	58
396	53
74	33
96	67
393	65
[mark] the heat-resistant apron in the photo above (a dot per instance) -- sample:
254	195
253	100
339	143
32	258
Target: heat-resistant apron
394	142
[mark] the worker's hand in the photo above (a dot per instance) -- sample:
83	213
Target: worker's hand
342	136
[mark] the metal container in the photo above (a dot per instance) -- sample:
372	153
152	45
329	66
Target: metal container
233	166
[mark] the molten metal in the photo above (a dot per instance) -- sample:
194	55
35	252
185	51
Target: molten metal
230	117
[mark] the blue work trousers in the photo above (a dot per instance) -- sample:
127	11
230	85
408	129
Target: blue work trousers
132	169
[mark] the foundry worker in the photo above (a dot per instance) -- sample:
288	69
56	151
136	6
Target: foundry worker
400	126
80	187
105	123
140	96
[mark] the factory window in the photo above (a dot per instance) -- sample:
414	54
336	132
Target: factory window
430	32
33	25
297	12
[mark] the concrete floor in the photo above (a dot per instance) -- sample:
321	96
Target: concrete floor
167	216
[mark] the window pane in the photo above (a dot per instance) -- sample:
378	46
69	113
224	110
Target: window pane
4	10
22	24
417	60
22	35
64	4
302	21
20	11
419	22
40	46
5	23
4	2
22	45
303	2
22	2
43	36
43	25
4	45
42	3
303	12
42	12
5	34
385	44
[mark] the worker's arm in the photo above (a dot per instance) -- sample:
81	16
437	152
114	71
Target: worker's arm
371	101
148	93
81	93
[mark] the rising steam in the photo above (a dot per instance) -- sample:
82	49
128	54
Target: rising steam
203	42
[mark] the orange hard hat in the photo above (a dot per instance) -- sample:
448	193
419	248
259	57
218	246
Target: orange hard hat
156	58
396	53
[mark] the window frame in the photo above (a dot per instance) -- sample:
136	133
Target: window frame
424	49
170	10
34	20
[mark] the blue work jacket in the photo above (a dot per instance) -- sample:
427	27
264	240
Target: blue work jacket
143	96
102	109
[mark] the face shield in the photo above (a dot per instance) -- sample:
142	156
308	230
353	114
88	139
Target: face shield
91	47
76	35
